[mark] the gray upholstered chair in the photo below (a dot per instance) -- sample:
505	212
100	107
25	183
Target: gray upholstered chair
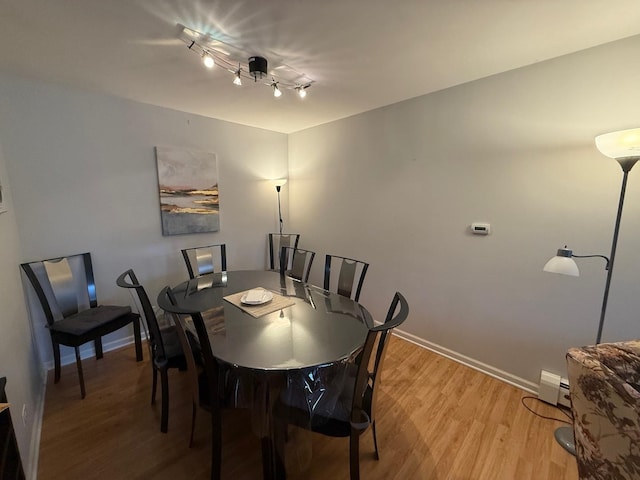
66	289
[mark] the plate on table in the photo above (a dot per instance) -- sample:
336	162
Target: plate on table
257	297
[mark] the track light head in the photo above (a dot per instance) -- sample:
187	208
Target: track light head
276	91
302	90
237	80
208	60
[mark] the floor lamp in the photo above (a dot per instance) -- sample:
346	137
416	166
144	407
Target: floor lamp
278	184
624	146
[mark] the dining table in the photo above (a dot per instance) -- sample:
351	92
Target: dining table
275	337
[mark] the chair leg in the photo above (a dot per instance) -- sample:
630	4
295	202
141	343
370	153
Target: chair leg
354	455
375	439
216	443
164	380
193	422
137	336
56	361
80	375
154	384
98	343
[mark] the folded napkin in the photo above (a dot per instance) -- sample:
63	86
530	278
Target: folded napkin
254	295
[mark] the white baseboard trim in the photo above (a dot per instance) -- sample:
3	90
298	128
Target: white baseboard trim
496	373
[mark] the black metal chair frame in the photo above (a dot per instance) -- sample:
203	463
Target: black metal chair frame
166	301
301	262
274	250
160	339
75	340
346	277
362	390
206	265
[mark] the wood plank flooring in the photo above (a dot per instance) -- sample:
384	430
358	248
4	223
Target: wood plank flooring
436	420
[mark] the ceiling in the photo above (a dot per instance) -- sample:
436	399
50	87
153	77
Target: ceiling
361	54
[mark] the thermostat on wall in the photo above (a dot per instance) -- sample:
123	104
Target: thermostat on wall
481	228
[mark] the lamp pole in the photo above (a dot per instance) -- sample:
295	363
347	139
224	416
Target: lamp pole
626	167
624	147
279	211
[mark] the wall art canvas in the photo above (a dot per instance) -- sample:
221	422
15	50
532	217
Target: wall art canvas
188	184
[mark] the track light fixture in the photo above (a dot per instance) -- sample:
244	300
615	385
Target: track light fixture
221	54
276	91
238	79
302	90
208	60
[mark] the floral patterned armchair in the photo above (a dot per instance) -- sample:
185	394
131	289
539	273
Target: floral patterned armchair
604	382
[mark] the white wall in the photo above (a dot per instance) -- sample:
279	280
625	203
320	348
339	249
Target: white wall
84	175
18	359
399	187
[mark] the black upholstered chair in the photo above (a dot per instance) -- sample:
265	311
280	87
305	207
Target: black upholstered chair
276	242
66	289
164	345
211	387
201	260
352	400
296	263
345	274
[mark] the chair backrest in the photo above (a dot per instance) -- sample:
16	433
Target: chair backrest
380	334
296	263
64	285
347	275
200	260
276	242
187	349
129	280
167	301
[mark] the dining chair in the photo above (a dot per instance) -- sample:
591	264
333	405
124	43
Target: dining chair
296	263
164	345
347	278
200	260
276	242
347	407
66	290
211	382
197	376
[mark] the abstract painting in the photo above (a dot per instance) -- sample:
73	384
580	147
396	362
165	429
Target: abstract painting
188	184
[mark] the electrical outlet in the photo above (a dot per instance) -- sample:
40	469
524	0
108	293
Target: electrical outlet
563	396
24	414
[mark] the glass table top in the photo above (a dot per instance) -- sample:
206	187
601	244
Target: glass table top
320	328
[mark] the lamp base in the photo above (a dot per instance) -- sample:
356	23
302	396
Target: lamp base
564	436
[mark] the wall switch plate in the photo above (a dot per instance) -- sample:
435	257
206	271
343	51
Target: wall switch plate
480	228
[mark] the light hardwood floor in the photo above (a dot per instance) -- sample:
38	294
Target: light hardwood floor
436	420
